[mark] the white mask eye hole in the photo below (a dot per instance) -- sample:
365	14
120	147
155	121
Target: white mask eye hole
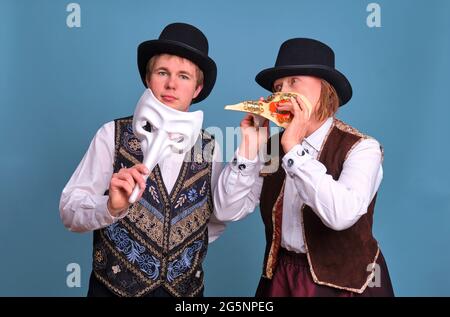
179	139
147	126
176	137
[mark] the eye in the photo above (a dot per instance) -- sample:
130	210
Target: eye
162	73
294	80
277	87
185	77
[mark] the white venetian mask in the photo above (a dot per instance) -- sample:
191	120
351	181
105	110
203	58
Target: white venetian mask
171	131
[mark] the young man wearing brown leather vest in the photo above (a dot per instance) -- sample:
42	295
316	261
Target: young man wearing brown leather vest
318	206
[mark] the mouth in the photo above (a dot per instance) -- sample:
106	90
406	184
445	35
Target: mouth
168	98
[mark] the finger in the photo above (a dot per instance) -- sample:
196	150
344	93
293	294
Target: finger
305	105
121	185
113	184
296	103
247	121
141	168
123	173
138	178
114	175
134	175
126	176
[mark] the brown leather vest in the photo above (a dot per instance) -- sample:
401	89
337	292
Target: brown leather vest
340	259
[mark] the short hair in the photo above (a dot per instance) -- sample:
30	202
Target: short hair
151	64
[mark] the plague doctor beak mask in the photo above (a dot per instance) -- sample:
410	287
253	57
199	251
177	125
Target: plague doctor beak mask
171	130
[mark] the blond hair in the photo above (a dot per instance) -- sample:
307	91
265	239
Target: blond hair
151	64
328	103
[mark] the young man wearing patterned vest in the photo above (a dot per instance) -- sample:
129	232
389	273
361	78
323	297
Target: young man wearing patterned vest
156	246
318	206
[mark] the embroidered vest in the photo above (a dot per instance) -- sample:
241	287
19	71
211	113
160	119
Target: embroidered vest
340	259
163	240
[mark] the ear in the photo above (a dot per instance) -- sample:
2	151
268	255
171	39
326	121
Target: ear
147	81
197	91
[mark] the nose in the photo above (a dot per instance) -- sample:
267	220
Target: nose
284	87
170	82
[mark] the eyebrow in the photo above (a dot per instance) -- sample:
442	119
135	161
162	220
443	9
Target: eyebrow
161	68
184	72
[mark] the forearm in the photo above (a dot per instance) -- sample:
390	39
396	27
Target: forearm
238	189
83	205
339	203
82	212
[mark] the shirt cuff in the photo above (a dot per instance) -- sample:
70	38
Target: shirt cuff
244	166
295	158
110	218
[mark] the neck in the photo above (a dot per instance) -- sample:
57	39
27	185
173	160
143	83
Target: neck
314	125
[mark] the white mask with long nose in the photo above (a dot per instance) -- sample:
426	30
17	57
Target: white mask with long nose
171	131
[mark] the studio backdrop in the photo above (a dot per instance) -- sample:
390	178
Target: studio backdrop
66	68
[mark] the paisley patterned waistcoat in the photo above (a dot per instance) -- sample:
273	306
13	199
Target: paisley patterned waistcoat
163	240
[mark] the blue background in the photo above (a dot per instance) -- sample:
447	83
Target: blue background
58	85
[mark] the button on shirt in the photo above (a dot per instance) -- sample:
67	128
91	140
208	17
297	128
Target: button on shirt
339	204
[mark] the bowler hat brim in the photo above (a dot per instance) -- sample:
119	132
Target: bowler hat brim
266	77
148	49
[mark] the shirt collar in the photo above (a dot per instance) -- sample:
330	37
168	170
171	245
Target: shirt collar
316	139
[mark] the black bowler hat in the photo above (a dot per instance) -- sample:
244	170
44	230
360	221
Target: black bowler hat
186	41
301	56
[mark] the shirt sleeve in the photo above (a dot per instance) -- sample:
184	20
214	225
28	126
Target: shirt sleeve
238	188
83	203
215	226
338	203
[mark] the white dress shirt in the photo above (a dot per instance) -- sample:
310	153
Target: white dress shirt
83	203
339	204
